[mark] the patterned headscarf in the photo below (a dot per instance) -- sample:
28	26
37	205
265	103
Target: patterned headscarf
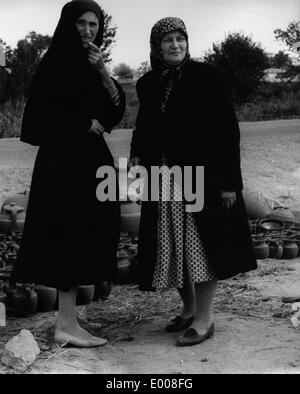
169	75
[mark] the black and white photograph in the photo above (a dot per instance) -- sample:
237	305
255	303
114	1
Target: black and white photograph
149	190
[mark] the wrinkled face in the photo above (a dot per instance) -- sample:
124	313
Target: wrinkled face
87	25
173	48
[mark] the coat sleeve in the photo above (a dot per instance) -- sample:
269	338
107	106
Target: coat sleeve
113	113
229	135
140	131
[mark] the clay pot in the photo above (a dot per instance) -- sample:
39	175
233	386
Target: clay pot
256	205
275	249
46	298
102	290
283	214
20	199
12	219
22	298
290	248
297	240
85	294
130	217
261	248
123	271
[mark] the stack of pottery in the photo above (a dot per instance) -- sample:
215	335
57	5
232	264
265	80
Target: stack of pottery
47	297
22	300
283	214
12	219
20	199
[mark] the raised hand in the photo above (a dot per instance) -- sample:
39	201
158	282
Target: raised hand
96	127
95	57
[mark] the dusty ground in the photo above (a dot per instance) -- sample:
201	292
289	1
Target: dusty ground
253	329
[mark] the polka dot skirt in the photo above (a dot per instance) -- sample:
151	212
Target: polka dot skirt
180	255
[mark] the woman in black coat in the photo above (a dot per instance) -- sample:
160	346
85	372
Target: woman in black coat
70	237
186	118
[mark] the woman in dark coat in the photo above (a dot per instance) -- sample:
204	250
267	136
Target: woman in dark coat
70	237
186	118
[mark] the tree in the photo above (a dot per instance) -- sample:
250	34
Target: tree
244	62
143	69
4	75
291	37
24	61
109	37
280	60
123	71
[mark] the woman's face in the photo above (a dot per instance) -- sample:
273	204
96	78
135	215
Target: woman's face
173	48
87	25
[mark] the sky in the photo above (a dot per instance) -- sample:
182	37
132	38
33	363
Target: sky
207	21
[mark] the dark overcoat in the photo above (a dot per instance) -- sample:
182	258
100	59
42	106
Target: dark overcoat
199	128
70	237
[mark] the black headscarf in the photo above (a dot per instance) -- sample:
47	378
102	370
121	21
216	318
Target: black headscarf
169	75
66	40
66	83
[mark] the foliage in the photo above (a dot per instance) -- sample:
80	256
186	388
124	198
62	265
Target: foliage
24	59
291	37
143	69
109	37
280	60
244	62
123	71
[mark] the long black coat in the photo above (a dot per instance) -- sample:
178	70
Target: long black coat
70	238
199	128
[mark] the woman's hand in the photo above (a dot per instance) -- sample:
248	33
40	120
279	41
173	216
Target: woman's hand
96	127
135	161
228	198
95	57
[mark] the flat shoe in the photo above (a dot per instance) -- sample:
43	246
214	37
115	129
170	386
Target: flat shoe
179	324
191	336
63	338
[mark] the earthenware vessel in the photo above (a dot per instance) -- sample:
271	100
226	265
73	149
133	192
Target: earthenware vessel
85	294
261	248
275	249
12	219
123	270
102	290
297	240
46	298
290	248
22	298
20	199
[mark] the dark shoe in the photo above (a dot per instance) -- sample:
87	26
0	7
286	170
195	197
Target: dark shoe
191	336
179	324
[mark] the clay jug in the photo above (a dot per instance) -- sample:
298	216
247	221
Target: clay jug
22	298
275	248
85	294
12	219
102	290
123	270
297	240
290	248
20	199
46	298
255	203
261	248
